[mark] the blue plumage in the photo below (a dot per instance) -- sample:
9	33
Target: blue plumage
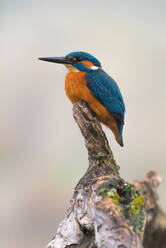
100	85
105	89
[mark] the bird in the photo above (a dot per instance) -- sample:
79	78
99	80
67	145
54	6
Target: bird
87	81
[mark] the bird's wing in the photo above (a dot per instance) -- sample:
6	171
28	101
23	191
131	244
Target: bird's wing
105	89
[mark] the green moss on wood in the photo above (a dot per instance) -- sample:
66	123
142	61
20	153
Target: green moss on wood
98	156
129	201
107	161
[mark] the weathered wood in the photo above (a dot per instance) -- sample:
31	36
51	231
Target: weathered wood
101	213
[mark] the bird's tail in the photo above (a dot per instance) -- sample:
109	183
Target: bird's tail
119	137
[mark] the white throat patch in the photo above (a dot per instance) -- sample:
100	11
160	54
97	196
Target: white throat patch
94	67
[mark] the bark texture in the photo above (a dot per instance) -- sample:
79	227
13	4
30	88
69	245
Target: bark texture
101	212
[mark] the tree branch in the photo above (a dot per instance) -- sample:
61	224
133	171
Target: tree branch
105	211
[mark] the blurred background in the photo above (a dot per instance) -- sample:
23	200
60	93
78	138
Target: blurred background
42	153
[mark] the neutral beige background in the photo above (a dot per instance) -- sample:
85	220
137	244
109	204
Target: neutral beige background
42	151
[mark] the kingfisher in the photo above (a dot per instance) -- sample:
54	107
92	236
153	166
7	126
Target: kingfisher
87	80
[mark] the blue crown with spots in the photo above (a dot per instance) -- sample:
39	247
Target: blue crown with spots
84	56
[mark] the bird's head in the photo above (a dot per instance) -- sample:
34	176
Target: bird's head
76	61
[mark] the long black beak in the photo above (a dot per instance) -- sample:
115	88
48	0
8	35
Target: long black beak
59	60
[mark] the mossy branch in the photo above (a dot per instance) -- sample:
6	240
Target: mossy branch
105	210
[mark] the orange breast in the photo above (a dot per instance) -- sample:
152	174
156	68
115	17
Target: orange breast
76	89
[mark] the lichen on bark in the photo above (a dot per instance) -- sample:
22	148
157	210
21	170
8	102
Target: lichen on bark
127	199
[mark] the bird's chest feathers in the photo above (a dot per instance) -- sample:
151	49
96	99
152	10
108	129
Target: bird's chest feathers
75	86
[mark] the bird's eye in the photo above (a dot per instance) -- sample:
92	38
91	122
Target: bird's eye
79	58
74	59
